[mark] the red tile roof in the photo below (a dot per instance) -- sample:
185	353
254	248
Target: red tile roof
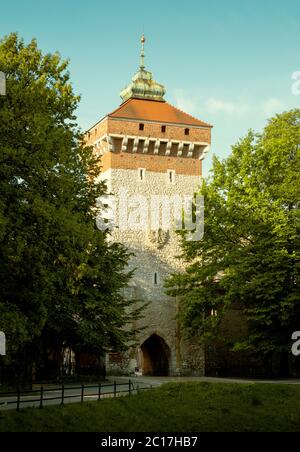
149	110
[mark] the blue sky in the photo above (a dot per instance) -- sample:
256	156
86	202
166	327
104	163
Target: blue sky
229	63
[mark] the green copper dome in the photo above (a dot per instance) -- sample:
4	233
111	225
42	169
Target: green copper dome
143	86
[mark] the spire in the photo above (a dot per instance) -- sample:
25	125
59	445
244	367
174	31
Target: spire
142	65
143	86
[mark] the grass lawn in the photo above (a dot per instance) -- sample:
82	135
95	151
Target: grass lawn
182	407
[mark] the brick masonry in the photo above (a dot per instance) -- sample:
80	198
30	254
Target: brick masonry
151	129
152	163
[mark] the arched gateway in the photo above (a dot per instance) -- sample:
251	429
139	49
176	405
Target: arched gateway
156	357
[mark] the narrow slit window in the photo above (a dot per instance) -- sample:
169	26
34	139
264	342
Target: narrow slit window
171	176
155	279
163	129
142	174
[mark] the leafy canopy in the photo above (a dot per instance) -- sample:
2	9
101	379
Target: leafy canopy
250	255
61	280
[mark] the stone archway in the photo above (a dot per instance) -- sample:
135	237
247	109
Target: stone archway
156	357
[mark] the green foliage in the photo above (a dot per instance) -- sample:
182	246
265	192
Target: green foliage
250	254
61	281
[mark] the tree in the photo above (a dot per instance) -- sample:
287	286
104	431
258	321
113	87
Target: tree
61	281
250	253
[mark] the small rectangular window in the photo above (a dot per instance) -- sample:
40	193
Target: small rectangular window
171	176
187	131
142	174
163	129
142	127
155	279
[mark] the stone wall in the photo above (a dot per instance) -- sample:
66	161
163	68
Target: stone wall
155	255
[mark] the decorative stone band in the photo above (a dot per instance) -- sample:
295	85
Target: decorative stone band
158	146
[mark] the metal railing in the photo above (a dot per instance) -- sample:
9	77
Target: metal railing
39	397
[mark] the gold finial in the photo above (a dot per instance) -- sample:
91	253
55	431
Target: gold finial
143	40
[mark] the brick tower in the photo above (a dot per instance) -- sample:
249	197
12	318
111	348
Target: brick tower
150	148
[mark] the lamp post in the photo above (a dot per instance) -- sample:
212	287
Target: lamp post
2	84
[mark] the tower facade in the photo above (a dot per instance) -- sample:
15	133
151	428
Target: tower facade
151	152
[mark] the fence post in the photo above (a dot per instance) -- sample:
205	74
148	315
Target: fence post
115	388
42	394
18	400
63	395
82	393
130	387
99	392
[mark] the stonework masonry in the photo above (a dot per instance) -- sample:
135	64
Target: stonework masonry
152	258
